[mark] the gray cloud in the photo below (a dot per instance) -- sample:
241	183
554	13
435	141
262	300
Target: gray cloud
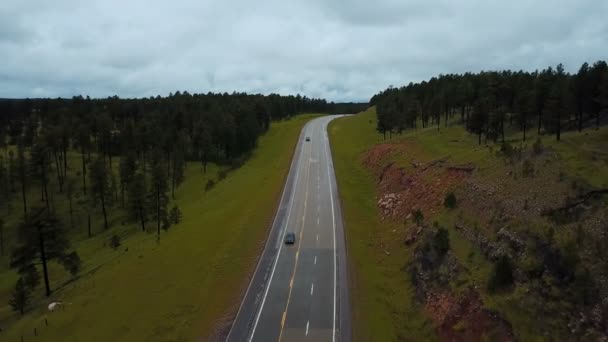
339	50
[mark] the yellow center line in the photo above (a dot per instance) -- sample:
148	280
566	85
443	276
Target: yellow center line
295	266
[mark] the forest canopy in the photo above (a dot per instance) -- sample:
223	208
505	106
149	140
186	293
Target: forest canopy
549	101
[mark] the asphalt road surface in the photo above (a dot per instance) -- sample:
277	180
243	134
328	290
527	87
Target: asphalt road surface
299	292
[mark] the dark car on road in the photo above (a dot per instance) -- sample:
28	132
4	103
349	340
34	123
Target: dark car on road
307	138
290	238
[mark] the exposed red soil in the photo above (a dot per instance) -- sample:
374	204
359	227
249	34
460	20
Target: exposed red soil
465	318
401	193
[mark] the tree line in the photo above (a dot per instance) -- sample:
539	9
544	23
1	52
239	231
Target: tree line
117	154
548	101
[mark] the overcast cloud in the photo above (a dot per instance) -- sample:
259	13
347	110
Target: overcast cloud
338	50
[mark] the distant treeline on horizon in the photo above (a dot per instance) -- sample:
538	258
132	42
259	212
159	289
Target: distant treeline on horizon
549	101
227	124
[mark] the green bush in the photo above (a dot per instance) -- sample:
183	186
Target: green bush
450	200
20	296
175	215
502	275
221	175
115	241
71	262
166	223
441	241
210	184
418	217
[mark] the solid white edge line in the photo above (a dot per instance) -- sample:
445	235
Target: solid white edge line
293	192
331	196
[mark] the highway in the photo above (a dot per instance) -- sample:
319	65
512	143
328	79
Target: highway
299	292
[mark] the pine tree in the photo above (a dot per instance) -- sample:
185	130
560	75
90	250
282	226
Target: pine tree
70	188
83	139
22	173
40	167
179	163
558	102
137	199
158	192
602	97
20	297
128	166
5	193
1	237
42	238
175	215
100	186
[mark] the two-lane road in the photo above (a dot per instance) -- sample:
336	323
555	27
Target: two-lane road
299	292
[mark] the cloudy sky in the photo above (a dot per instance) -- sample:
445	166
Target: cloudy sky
342	50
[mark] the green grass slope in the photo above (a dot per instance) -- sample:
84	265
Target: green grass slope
177	290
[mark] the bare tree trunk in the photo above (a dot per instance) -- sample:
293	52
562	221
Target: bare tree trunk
122	194
141	218
525	125
89	223
173	185
71	212
46	193
157	214
23	195
84	172
438	121
1	239
559	124
103	209
59	171
65	159
45	270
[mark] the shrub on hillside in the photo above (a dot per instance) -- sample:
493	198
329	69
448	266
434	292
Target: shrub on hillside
166	223
210	184
115	241
71	262
450	201
221	175
441	241
175	216
418	217
502	275
20	297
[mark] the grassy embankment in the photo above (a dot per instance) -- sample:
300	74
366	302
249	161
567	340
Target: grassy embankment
381	295
175	290
383	304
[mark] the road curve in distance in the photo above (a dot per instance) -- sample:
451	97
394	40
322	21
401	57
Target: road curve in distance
299	292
